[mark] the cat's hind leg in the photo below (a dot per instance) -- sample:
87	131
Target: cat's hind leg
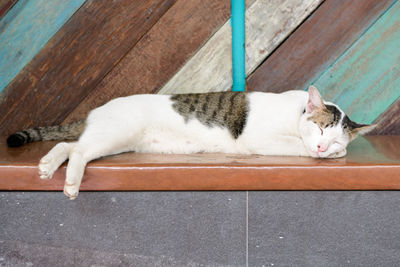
53	159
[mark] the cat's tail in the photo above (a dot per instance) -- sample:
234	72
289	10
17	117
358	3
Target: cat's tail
49	133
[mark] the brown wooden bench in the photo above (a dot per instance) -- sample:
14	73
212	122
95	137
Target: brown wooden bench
372	163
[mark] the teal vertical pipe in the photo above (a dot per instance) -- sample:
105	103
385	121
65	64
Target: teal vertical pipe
238	45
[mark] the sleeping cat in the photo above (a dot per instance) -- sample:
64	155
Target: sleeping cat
294	123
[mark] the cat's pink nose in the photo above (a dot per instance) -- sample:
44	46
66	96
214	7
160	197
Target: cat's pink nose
322	148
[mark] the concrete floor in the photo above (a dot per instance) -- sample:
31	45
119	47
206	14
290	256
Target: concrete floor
200	229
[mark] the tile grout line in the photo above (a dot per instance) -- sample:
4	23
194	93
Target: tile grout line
247	228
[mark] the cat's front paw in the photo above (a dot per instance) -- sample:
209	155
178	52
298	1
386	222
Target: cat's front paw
339	154
46	168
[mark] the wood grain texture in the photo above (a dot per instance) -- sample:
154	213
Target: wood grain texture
75	60
364	80
267	24
388	122
5	6
372	164
160	53
26	29
316	44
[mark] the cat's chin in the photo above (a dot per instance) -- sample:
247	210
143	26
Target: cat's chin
315	155
335	155
318	155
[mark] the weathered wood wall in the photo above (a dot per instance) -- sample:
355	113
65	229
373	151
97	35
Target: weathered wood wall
349	49
370	29
268	23
365	80
5	6
76	59
26	28
161	52
316	44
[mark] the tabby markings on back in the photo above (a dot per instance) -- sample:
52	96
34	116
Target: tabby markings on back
224	109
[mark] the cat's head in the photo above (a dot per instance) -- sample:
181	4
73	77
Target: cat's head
325	128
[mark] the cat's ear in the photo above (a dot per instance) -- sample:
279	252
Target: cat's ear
361	129
314	100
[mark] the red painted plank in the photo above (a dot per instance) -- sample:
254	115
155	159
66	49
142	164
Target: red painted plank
160	53
5	6
316	44
75	60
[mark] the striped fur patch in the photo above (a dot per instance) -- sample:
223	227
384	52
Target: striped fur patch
223	109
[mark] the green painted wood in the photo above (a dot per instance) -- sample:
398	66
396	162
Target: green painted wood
26	28
76	59
365	80
316	44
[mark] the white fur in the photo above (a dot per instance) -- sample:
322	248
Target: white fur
275	125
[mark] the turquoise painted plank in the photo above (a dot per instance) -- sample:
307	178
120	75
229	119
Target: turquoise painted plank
26	28
365	80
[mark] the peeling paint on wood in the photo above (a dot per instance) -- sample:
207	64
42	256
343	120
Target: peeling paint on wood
26	28
267	24
365	80
178	34
75	60
316	44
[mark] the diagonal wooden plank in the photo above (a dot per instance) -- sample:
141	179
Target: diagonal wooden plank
90	44
268	23
160	53
316	44
26	29
364	80
5	6
388	122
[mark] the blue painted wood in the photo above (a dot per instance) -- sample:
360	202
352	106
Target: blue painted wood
238	45
26	28
365	80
